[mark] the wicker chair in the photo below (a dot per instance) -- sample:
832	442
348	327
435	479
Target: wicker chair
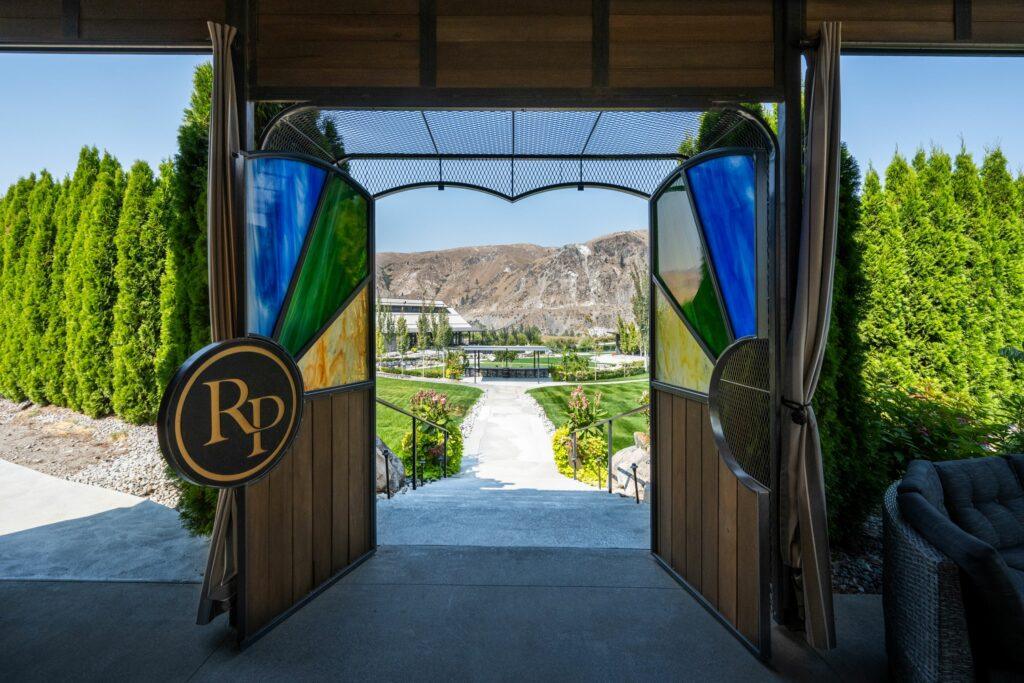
925	624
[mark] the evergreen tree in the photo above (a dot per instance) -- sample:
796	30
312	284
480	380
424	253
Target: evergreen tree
401	336
846	425
91	309
903	192
975	319
184	308
16	230
442	329
882	328
36	293
938	281
1005	248
193	148
641	307
67	213
140	248
424	329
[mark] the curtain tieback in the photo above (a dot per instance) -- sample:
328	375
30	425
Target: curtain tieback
797	411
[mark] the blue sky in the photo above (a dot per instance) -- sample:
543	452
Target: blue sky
131	106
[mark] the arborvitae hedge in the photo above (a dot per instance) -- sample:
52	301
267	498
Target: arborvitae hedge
85	292
36	286
140	247
16	224
66	214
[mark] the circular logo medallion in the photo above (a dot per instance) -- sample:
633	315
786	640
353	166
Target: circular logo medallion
230	412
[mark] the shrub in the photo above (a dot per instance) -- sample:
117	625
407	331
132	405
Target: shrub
591	451
434	406
591	445
197	507
927	424
583	411
559	373
454	365
505	356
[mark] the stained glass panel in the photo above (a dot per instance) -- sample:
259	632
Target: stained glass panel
338	356
335	262
723	191
682	268
678	359
281	196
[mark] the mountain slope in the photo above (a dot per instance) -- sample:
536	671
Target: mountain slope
559	289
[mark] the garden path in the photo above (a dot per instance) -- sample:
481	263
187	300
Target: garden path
509	492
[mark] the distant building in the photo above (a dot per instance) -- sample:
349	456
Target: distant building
410	309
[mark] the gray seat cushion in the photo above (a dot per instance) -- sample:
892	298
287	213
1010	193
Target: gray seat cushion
984	497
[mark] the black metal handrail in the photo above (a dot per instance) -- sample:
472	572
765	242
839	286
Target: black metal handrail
610	431
415	455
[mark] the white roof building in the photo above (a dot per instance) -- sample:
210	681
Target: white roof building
410	309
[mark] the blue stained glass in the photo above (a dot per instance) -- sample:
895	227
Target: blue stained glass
723	191
281	198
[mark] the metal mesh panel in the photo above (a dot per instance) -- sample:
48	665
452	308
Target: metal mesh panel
380	176
510	153
489	174
643	132
641	175
471	132
553	132
741	399
536	174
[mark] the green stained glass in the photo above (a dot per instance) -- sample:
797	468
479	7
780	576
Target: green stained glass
683	268
335	262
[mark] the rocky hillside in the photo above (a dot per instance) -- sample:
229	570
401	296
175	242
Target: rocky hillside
560	289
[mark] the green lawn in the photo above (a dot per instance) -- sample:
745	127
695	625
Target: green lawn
392	425
615	398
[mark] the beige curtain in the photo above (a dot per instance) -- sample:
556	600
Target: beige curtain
218	581
220	188
806	537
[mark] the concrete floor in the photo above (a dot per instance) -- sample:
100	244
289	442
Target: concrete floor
510	493
56	529
425	613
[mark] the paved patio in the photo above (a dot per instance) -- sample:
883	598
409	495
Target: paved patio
426	613
51	528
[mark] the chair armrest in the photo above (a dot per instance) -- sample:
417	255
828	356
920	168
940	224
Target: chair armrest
925	622
982	563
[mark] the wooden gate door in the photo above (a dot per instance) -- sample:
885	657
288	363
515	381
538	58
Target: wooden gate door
710	416
309	286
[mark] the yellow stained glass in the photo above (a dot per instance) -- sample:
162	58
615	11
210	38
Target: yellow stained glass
338	356
678	358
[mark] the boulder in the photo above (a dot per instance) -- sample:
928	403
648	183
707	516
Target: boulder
622	469
394	464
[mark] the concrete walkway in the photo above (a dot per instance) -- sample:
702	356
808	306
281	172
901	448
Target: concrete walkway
510	493
427	614
56	529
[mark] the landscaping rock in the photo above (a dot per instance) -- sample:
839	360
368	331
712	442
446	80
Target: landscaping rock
397	469
622	470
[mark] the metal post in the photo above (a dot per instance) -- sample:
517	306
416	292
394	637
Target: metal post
610	423
636	484
414	454
574	459
444	464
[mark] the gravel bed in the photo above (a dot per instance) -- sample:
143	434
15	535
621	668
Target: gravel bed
549	426
469	421
107	452
859	569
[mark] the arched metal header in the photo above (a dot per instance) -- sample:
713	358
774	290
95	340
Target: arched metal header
509	153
